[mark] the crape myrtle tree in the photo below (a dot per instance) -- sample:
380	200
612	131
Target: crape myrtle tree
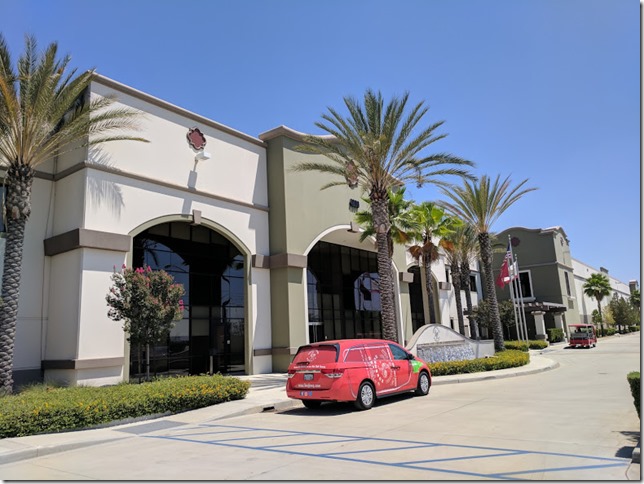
149	302
480	203
377	147
45	111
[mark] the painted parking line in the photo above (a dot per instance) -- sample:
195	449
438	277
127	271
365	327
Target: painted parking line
393	452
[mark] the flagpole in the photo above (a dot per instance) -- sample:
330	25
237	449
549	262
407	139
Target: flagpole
522	305
514	307
512	297
519	303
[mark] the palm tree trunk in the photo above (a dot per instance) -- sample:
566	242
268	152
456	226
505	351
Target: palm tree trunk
429	289
456	281
465	282
18	208
380	212
486	259
600	319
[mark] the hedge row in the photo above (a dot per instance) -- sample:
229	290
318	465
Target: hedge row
634	382
47	409
538	344
503	359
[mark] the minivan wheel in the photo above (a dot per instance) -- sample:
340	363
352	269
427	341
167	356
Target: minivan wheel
423	384
312	403
366	396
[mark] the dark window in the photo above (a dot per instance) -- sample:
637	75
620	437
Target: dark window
567	283
526	288
397	352
472	283
211	270
343	293
416	299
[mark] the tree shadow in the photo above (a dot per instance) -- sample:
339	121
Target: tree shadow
101	190
626	451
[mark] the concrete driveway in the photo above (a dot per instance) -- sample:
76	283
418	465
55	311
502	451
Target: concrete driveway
576	422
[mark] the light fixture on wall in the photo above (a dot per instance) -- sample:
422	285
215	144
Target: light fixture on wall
202	155
354	205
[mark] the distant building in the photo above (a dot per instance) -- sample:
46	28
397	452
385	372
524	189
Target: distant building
551	280
587	304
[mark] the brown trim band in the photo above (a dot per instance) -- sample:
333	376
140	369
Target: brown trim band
85	364
279	261
83	238
275	351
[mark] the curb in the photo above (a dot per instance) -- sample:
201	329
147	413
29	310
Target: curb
635	458
493	377
41	451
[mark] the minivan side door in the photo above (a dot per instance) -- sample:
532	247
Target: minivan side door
401	368
379	363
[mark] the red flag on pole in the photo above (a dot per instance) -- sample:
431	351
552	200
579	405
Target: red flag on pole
504	275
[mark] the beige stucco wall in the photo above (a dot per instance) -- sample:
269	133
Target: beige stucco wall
127	186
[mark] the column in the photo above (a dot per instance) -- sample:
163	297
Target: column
539	324
559	324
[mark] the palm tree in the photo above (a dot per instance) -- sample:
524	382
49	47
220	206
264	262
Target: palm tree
480	204
45	111
433	223
378	147
401	223
468	249
451	256
460	247
597	286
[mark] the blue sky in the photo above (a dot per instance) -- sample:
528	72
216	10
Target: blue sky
542	89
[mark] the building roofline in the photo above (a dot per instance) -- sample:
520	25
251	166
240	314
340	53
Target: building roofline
548	230
290	133
111	83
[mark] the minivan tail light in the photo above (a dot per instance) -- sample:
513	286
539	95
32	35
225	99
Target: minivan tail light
290	373
333	372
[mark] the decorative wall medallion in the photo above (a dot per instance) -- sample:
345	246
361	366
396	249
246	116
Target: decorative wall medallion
196	139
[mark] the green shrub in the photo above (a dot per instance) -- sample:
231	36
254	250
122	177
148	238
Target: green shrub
610	331
46	409
632	329
555	335
537	344
503	359
634	381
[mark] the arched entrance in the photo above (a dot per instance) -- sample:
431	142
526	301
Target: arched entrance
342	292
210	337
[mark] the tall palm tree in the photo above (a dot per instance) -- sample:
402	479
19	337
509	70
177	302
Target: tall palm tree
597	286
377	147
452	259
433	223
468	250
480	203
45	111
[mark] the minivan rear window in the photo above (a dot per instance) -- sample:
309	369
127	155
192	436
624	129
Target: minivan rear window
316	355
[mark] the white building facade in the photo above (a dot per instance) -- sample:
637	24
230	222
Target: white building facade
228	220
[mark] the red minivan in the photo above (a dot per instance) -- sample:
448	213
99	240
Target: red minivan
354	370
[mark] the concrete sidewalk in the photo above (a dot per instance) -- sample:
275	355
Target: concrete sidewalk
266	394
